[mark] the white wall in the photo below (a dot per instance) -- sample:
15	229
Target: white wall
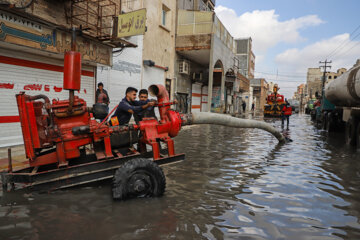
125	72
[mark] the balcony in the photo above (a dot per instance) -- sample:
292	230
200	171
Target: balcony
194	34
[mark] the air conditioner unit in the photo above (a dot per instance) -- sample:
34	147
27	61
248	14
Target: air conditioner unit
184	67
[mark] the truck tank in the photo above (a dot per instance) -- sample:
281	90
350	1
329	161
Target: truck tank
345	90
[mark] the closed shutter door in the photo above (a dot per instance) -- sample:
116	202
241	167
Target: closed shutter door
196	97
34	76
204	99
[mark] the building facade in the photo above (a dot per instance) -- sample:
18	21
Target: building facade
207	68
314	80
260	91
246	57
33	38
151	60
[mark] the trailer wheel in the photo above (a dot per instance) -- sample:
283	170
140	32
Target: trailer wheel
350	131
138	178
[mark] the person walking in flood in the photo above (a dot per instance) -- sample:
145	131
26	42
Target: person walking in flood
286	113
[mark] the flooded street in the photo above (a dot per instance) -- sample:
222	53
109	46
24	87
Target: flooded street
234	184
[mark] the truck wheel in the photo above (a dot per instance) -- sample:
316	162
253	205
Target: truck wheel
330	123
350	131
138	178
324	121
358	136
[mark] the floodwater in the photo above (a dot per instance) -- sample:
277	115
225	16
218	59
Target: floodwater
234	184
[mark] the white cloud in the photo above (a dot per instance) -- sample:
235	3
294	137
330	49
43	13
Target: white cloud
298	60
264	27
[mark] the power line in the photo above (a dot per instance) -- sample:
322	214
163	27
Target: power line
281	75
354	45
325	66
342	42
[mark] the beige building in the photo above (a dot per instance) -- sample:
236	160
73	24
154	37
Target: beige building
314	80
260	91
246	56
207	68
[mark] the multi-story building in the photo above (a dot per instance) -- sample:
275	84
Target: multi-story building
314	80
246	57
260	90
33	38
152	58
206	65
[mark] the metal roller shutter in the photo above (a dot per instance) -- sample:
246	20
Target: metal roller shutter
33	76
196	97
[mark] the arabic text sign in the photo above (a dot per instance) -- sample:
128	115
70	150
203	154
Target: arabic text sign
131	24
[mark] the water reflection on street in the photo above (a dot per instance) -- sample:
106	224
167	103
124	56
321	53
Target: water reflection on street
235	183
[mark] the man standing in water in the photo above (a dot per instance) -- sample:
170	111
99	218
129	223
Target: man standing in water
286	113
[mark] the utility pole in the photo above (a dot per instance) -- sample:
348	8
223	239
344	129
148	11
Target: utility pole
325	66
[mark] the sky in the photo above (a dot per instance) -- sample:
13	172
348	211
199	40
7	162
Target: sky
290	36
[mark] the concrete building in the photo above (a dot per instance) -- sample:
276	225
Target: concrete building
207	68
260	90
152	59
33	38
314	80
246	57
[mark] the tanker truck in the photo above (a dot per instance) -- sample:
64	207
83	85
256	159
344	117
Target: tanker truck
341	105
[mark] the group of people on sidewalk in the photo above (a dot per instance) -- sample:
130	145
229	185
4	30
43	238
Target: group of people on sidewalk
128	106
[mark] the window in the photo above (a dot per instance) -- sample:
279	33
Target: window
163	22
165	17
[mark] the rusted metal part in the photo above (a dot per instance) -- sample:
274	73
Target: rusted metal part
83	173
10	168
94	16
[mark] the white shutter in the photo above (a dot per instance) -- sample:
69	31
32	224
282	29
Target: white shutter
35	76
153	75
196	97
204	99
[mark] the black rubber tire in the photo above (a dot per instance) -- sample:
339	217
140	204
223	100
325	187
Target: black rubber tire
138	178
350	131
